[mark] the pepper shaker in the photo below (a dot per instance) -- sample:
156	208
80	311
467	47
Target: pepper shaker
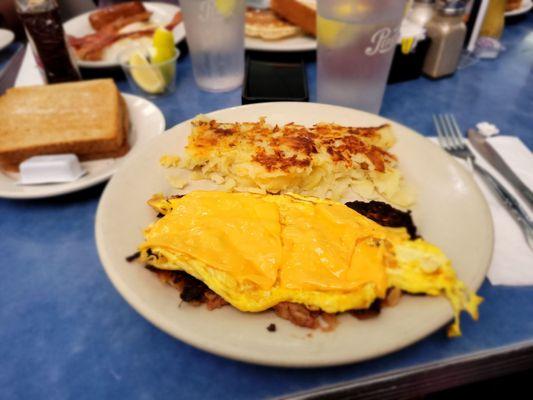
447	32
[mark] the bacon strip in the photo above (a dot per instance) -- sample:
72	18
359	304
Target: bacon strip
121	22
176	20
107	15
90	47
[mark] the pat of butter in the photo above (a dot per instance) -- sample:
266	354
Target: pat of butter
53	168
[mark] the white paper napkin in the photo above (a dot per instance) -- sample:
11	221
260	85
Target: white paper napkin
29	74
512	261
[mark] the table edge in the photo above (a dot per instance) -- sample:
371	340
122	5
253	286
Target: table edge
429	377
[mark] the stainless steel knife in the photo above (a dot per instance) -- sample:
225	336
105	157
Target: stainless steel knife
484	148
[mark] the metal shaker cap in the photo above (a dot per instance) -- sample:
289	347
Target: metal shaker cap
451	7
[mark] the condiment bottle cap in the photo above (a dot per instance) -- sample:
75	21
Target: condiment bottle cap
451	7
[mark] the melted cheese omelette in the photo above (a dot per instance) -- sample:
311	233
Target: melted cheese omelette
256	251
325	160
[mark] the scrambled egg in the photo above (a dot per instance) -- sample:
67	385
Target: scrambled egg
325	160
256	251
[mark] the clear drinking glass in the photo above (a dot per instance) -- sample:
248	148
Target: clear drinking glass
356	42
215	35
151	80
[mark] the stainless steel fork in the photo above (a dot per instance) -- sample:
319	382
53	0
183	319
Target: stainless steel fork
451	139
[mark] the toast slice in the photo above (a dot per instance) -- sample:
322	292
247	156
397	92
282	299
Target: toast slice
301	13
86	118
124	147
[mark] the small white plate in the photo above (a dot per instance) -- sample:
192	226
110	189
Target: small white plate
6	38
296	43
146	121
524	8
450	211
162	14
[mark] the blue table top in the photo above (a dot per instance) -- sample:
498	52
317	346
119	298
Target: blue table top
66	333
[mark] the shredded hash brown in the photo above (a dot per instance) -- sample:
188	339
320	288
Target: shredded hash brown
325	160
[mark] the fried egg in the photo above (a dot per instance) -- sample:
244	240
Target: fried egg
258	250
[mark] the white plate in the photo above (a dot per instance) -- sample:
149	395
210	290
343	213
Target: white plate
146	121
162	14
524	8
6	38
296	43
450	212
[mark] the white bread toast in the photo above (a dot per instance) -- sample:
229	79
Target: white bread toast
86	118
301	13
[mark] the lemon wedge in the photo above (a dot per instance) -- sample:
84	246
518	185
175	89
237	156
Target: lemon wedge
329	31
164	50
344	9
148	77
351	8
225	7
164	47
333	33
